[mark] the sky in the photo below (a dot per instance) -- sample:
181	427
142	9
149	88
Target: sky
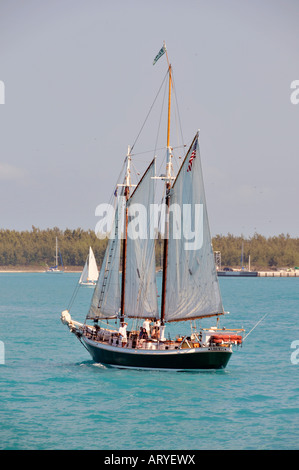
79	80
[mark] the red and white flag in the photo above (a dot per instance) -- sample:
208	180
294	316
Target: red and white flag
192	156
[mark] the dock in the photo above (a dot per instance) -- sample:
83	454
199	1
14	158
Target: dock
278	273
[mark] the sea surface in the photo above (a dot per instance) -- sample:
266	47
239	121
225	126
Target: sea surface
52	395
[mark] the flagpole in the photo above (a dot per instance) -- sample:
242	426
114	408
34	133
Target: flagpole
165	49
169	106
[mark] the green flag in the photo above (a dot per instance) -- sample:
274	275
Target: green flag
160	53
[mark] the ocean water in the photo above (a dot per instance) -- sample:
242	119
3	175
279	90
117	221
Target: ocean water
52	396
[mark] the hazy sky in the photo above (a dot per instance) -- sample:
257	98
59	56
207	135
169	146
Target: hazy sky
79	81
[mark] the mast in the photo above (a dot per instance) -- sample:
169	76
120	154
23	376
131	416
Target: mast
167	200
123	280
56	255
168	161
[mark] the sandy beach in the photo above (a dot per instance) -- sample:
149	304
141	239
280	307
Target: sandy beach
36	269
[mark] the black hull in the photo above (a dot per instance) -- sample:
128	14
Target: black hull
237	273
179	359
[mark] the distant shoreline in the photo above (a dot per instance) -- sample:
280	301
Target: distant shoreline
36	269
262	272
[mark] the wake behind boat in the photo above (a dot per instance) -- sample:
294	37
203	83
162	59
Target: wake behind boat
190	289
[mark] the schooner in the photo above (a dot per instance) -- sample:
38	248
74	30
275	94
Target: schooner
190	289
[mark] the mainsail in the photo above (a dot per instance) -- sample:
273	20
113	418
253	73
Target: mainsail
140	286
192	285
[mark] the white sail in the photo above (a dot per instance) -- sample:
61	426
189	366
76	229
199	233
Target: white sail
140	286
106	297
192	289
90	271
84	274
93	272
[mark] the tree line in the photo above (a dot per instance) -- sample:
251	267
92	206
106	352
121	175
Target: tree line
37	248
272	252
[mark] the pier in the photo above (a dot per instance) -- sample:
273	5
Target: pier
278	273
282	273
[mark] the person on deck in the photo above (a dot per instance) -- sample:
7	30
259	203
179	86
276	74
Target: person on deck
146	325
142	336
156	330
123	334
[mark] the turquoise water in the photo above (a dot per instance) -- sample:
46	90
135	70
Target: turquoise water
52	396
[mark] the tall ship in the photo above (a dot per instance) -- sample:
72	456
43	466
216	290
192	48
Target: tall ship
129	324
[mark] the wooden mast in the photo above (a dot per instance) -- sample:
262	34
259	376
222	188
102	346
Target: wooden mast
168	185
124	260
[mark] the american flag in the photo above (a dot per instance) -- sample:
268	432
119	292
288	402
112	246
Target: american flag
193	155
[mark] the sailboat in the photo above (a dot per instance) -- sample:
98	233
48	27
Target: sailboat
190	289
56	268
90	273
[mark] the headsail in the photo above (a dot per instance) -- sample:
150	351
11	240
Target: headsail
106	297
141	290
192	285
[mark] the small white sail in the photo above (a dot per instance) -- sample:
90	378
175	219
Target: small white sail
140	286
84	274
90	271
106	297
192	285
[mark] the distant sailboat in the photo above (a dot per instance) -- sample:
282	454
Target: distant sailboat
190	289
90	271
56	269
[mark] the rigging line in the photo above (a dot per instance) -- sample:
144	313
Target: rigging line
156	149
118	180
160	213
137	173
256	325
73	297
149	111
82	343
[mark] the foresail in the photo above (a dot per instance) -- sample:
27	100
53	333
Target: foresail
192	285
140	287
106	297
